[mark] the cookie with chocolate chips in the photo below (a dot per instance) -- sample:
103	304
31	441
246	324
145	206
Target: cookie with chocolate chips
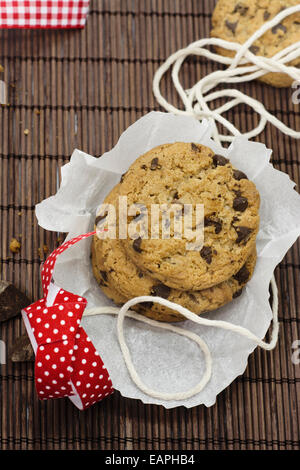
120	279
184	175
237	20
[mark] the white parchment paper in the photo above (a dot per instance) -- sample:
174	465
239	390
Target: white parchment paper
166	361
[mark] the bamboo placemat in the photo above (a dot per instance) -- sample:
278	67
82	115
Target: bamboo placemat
82	89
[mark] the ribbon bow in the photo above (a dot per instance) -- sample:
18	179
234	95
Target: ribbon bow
67	363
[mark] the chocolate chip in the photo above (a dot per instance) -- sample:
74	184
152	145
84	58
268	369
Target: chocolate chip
176	196
231	26
147	305
137	245
217	223
100	217
266	15
243	233
254	49
206	254
239	175
242	275
195	148
144	167
104	275
277	27
240	204
122	177
219	160
140	275
192	297
241	9
154	165
237	293
161	290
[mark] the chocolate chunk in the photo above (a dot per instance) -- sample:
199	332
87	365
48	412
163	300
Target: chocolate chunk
240	204
242	275
254	49
140	275
266	15
11	301
237	293
241	9
217	223
277	27
137	245
161	290
206	254
176	196
155	164
231	26
104	275
239	175
100	217
21	350
219	160
243	233
195	148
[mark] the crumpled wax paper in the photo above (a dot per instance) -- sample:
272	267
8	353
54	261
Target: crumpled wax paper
164	360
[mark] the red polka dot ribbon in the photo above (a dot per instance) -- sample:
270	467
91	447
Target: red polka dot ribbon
67	364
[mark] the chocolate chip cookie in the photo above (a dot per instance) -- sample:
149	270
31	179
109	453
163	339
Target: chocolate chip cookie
120	279
184	175
237	20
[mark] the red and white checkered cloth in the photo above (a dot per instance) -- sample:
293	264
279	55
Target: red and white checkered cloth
43	13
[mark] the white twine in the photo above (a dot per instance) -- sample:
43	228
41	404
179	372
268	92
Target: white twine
197	99
125	312
196	104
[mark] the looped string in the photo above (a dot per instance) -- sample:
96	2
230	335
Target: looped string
125	312
244	66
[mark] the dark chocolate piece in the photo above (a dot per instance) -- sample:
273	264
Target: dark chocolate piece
12	301
206	254
21	350
100	217
219	160
155	164
241	9
195	148
104	275
240	204
216	222
160	290
239	175
231	26
243	233
242	275
277	27
237	293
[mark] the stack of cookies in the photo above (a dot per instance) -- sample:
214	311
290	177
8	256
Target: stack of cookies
159	261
